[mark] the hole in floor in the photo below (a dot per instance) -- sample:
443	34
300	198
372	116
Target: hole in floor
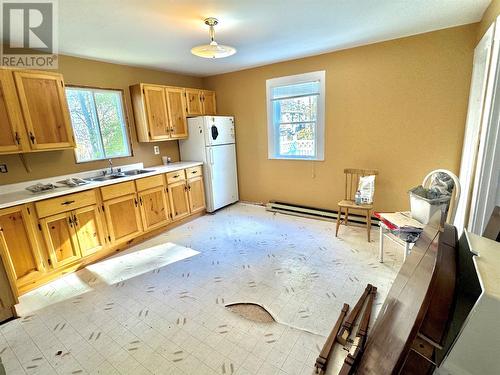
251	311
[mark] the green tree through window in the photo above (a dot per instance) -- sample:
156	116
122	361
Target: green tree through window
98	123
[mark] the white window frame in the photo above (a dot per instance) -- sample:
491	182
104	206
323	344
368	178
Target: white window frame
273	137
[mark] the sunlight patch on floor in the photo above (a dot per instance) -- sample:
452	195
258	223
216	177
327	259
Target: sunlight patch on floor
106	272
127	266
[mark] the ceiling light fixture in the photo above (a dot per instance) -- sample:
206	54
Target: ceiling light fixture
212	50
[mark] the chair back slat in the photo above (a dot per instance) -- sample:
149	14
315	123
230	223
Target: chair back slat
352	176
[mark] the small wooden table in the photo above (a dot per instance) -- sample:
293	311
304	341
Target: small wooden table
400	228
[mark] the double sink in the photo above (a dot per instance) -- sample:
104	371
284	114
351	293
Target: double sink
133	172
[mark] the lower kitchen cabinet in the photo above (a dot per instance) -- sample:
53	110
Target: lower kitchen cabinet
89	229
123	218
7	295
196	194
60	238
179	199
154	208
40	241
18	246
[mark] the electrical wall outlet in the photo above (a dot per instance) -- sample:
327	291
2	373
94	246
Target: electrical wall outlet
156	150
3	168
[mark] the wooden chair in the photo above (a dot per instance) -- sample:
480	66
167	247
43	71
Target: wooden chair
351	186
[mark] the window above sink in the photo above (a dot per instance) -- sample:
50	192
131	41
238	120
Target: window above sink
99	123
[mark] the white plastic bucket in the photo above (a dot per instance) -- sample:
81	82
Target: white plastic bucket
425	212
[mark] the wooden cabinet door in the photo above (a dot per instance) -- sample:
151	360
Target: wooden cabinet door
12	133
179	201
19	247
123	218
154	208
89	230
177	112
7	294
60	238
196	194
156	112
193	102
45	110
208	102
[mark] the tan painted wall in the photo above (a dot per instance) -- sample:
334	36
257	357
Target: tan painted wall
79	71
489	17
399	106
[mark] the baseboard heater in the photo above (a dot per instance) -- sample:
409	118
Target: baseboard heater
313	212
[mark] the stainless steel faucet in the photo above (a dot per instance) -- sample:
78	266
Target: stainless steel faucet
110	166
105	172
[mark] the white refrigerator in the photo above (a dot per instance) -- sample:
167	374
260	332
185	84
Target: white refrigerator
212	140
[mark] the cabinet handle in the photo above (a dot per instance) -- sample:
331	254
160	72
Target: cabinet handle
75	220
18	139
140	200
176	176
70	221
32	138
135	202
189	187
194	172
67	203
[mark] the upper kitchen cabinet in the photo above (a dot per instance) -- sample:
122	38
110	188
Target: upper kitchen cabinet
177	112
12	133
200	102
193	102
151	113
208	102
45	110
159	112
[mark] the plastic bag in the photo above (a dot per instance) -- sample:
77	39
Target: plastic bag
366	187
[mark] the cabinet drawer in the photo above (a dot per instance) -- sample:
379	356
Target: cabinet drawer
173	177
149	182
65	203
193	172
117	190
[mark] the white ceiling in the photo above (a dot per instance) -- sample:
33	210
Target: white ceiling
160	33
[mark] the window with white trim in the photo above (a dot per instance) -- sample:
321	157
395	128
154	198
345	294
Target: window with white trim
296	116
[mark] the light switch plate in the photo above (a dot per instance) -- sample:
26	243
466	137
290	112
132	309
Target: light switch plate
3	168
156	150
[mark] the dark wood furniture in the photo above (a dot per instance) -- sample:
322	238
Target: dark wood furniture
410	332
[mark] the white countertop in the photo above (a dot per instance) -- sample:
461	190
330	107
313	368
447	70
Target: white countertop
487	263
15	194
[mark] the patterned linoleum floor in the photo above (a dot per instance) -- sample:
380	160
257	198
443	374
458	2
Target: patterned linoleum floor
159	307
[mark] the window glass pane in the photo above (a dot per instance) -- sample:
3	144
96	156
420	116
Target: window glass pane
306	88
297	109
110	114
297	139
296	116
98	123
85	125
